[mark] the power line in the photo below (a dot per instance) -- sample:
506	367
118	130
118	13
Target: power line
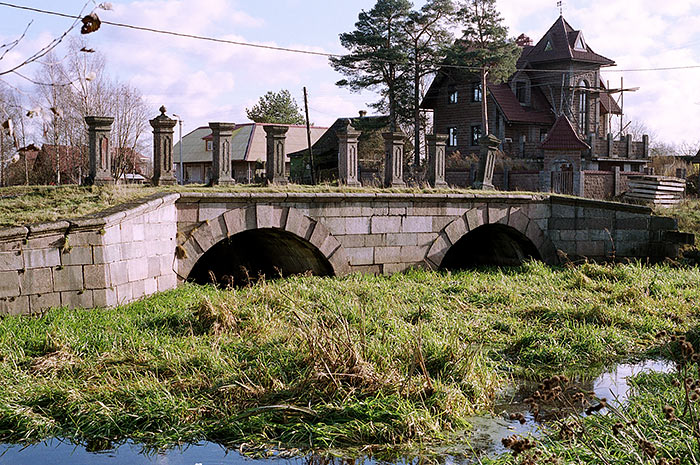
314	53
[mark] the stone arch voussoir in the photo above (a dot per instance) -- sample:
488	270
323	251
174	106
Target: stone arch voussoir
238	220
513	216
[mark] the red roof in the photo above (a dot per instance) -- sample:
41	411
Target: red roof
563	136
561	38
515	112
608	103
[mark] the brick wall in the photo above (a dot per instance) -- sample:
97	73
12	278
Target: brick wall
528	181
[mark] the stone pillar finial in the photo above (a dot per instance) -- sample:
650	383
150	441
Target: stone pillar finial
393	159
348	156
221	150
276	163
163	167
487	161
99	128
436	160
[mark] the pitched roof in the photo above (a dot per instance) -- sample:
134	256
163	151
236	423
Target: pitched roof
515	112
563	136
248	142
559	44
608	103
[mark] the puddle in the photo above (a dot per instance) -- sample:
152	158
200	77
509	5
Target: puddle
483	440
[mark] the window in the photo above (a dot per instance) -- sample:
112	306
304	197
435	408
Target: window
583	108
580	44
453	95
521	91
548	47
453	137
210	145
477	93
476	134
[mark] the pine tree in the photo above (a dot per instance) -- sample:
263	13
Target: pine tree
485	45
378	59
276	107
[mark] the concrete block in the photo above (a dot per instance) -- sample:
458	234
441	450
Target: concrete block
191	253
204	237
319	235
187	212
456	229
477	217
336	225
340	262
124	294
86	238
138	269
104	298
80	255
138	289
440	222
209	211
167	282
135	250
139	232
11	261
9	284
14	306
656	223
400	239
298	223
393	268
358	225
352	240
385	224
567	235
562	223
387	255
537	211
126	232
594	223
438	250
633	223
375	240
77	299
108	253
367	269
268	216
498	214
119	273
154	266
167	263
329	246
593	249
360	256
96	276
68	278
417	224
42	302
150	286
111	235
563	211
45	242
41	258
518	220
413	254
536	235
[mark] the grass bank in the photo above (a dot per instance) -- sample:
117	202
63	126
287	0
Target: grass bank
321	362
35	204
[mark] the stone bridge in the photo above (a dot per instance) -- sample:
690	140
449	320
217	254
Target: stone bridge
137	249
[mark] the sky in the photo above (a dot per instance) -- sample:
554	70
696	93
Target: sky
203	81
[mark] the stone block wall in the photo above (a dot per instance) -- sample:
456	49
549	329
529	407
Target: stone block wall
102	260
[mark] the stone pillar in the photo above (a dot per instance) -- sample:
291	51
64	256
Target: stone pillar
348	156
393	159
487	161
221	148
100	159
436	160
645	141
163	171
617	181
628	139
276	165
611	151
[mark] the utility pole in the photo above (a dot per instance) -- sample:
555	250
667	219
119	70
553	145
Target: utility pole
484	104
2	158
308	137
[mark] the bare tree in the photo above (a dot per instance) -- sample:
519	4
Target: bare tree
130	127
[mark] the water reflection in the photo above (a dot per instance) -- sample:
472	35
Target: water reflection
483	440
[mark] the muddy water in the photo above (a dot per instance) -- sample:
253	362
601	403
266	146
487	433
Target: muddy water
483	440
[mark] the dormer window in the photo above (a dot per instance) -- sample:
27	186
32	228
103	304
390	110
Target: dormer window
580	44
549	47
477	93
521	91
210	145
452	95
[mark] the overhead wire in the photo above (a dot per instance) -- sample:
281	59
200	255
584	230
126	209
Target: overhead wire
312	52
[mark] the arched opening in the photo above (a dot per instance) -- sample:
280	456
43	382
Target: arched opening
245	256
490	245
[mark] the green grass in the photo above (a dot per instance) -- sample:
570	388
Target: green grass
688	215
324	362
35	204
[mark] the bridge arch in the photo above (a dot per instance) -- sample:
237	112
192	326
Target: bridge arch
275	237
505	234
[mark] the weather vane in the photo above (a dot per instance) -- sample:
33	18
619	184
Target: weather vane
560	5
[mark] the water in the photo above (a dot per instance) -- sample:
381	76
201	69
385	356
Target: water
483	440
